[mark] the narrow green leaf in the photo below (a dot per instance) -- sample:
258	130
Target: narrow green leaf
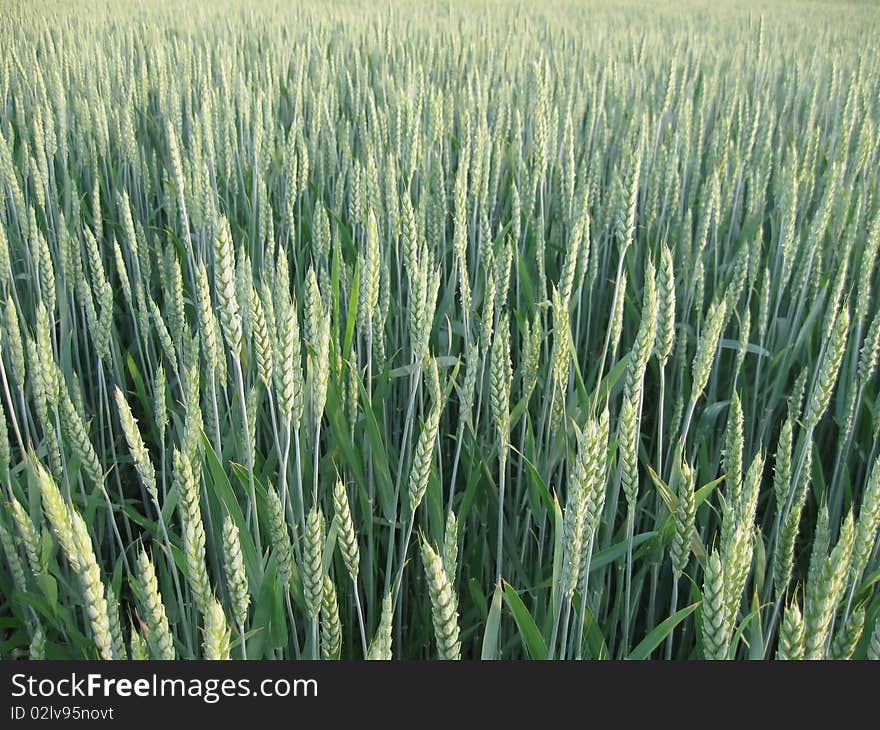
656	636
493	626
528	629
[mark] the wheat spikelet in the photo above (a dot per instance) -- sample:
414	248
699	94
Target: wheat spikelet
598	466
122	273
320	368
615	321
288	374
444	605
279	537
717	625
847	638
560	359
430	286
160	407
645	335
53	446
423	456
5	264
734	290
487	321
411	260
874	643
782	475
46	269
627	436
5	452
58	514
173	292
225	287
192	419
165	339
380	646
39	387
136	446
744	335
44	361
706	347
569	265
370	275
92	586
791	634
738	541
30	538
867	524
15	346
314	309
784	554
450	545
37	648
216	642
685	509
500	375
533	336
186	482
732	454
827	376
870	349
157	627
261	339
16	567
77	436
207	321
312	572
267	304
346	535
117	641
236	579
466	392
665	328
331	629
575	514
825	584
138	646
354	385
796	401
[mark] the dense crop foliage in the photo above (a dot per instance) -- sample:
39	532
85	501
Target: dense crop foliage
459	331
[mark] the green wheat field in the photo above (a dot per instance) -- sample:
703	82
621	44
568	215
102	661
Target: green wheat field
458	330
